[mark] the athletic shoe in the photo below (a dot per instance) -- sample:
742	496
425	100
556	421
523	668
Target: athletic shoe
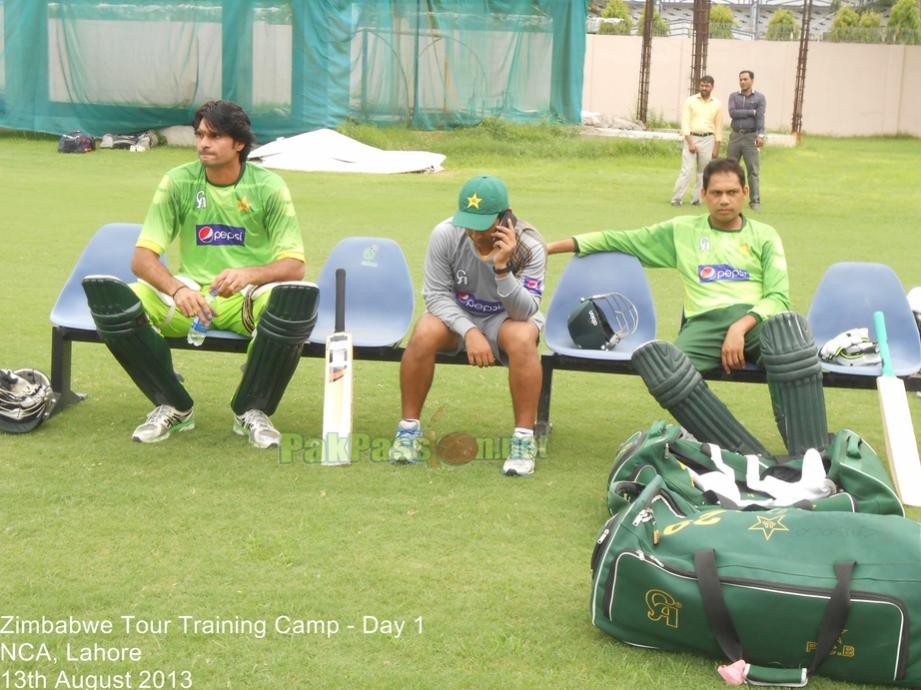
695	203
160	423
755	205
256	425
521	454
406	445
676	203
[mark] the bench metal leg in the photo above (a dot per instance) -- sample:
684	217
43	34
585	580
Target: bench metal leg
61	351
543	426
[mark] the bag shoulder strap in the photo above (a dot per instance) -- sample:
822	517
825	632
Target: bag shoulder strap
720	620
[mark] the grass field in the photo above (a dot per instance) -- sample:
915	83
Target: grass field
490	575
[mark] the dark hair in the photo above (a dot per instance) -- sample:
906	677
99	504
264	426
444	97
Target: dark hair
723	165
707	78
228	118
749	73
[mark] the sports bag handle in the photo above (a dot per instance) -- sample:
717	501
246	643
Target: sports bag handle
720	621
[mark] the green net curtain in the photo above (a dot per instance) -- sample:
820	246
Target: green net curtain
125	65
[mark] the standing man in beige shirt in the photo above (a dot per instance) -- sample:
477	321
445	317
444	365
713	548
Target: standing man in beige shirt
702	129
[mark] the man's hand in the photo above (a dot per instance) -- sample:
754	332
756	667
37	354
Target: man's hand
231	280
692	147
504	243
716	150
189	303
733	350
479	353
759	141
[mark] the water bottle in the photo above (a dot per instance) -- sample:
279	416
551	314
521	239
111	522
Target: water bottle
199	329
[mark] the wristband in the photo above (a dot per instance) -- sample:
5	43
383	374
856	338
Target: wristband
176	291
501	271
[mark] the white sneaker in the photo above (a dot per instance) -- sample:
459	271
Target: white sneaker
406	444
256	425
160	423
521	454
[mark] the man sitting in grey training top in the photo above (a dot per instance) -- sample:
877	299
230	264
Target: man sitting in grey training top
484	278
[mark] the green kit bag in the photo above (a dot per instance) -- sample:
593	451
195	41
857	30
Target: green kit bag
847	475
782	593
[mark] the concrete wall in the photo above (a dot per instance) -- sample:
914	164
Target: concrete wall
851	89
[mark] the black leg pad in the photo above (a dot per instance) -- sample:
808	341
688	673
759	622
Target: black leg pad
678	387
283	327
794	376
143	353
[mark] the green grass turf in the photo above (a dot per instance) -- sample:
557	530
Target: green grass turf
97	527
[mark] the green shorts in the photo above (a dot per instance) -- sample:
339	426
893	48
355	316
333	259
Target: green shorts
228	312
701	337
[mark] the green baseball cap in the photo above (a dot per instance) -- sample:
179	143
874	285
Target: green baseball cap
480	201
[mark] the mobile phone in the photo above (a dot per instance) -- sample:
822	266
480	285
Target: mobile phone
507	216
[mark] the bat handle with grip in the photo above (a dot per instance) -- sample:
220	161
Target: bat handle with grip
340	300
879	322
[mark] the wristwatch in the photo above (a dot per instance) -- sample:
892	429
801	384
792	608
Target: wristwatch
501	271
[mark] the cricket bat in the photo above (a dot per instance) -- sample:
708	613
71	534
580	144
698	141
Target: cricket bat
337	391
901	447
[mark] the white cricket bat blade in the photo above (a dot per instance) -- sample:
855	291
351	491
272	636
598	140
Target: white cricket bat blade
337	401
901	447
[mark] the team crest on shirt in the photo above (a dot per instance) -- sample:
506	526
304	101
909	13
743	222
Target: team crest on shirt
244	205
703	244
533	285
200	200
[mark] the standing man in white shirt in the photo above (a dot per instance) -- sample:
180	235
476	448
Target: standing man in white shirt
702	129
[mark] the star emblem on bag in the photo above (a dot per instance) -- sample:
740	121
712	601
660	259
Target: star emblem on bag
768	525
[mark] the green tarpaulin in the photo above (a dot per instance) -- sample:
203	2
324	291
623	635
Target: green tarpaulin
126	66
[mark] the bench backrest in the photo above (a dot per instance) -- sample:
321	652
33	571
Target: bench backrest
598	274
846	298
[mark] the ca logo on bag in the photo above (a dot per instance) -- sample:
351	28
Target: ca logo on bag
662	606
840	649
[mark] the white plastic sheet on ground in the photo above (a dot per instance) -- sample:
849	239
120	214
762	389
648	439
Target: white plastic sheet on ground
329	151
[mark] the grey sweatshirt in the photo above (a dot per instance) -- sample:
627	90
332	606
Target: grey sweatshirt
460	288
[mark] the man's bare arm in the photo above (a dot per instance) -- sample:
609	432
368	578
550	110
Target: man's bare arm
561	246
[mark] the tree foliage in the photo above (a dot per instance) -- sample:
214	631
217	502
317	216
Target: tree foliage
616	9
659	26
782	26
870	20
905	22
842	26
722	21
845	17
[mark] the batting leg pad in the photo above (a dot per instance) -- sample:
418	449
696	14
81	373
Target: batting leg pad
124	327
794	377
678	387
283	328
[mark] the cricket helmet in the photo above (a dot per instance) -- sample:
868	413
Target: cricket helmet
600	322
25	399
